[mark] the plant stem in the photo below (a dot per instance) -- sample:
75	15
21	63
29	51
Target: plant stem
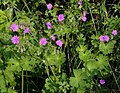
53	73
59	69
92	18
27	81
114	77
22	81
26	6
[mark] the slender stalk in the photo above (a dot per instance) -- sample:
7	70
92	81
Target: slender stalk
16	15
114	77
26	6
92	18
53	73
79	64
59	69
27	81
22	82
47	70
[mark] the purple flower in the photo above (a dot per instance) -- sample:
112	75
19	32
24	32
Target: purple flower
49	25
102	81
84	13
114	32
53	37
84	18
59	43
80	3
61	17
14	27
27	30
15	39
102	38
43	41
49	6
106	38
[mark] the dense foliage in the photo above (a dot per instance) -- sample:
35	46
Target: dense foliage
59	46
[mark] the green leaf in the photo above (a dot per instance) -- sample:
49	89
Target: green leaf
26	63
14	65
79	79
107	48
11	90
55	59
80	90
10	77
102	61
91	65
2	82
77	72
64	76
73	81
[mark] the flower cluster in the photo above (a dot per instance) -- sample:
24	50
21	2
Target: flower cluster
15	39
60	16
58	42
43	41
106	37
